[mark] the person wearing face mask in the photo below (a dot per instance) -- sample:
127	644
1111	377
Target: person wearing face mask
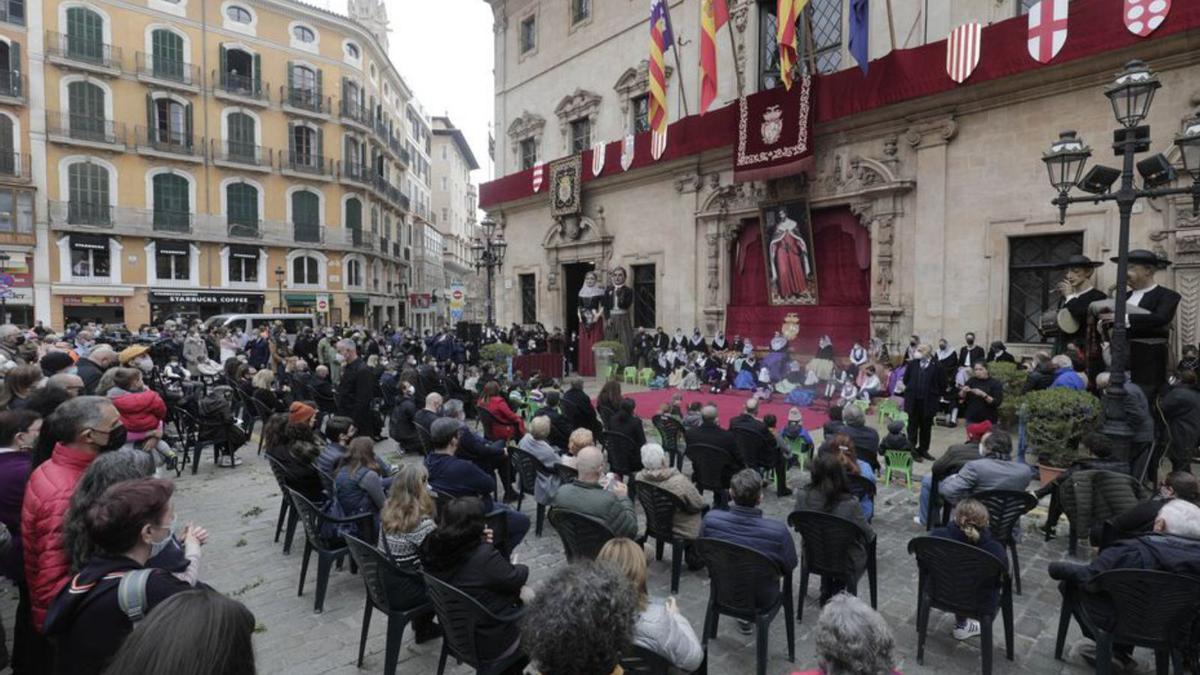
87	426
132	522
18	434
923	390
142	412
11	340
401	423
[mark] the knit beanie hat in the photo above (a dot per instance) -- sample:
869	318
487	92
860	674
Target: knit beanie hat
896	427
300	413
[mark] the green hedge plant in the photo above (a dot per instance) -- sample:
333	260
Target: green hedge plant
1056	420
1013	379
498	353
617	348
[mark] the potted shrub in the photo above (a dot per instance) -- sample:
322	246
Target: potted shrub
498	354
1013	378
618	350
1055	421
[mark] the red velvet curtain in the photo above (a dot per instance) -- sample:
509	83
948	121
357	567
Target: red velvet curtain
842	256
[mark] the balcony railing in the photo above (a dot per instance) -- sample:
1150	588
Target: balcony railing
307	232
94	214
242	153
162	68
305	162
85	127
12	84
358	239
358	173
245	86
165	220
305	99
396	249
245	228
83	50
14	165
354	111
166	140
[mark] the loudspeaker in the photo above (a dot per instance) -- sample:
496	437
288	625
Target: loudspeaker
469	331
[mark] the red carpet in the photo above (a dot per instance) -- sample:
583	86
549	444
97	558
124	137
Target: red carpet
728	405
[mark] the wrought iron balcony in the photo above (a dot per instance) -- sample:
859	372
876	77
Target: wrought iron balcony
12	84
355	112
165	140
237	152
243	86
15	165
245	228
84	51
84	128
359	173
78	212
305	162
165	220
159	67
359	239
307	232
305	99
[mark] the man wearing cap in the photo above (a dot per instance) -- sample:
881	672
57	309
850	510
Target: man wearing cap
1078	293
1148	332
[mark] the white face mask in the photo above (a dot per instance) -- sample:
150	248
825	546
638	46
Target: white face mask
157	547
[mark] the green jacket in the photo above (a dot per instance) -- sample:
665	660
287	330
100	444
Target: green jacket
592	500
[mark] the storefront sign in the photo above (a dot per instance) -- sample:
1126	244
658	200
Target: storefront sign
93	301
193	298
322	305
86	242
458	302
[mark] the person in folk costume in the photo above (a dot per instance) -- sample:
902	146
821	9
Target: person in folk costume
1148	333
618	303
968	356
791	265
822	366
737	344
947	359
764	389
697	342
591	321
1078	291
858	358
719	344
678	341
911	352
776	359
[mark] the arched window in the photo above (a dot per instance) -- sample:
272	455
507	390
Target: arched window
241	72
352	50
172	122
172	203
87	190
306	270
303	34
241	207
306	216
86	111
241	142
167	57
85	35
354	273
238	14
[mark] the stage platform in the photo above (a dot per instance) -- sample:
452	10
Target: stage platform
729	405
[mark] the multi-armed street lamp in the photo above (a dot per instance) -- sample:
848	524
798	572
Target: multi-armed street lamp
1131	95
488	253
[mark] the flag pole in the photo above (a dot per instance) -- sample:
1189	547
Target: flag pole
675	47
741	87
810	43
891	25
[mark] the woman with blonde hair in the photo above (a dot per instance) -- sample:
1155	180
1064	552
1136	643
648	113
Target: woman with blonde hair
969	525
659	626
407	516
264	392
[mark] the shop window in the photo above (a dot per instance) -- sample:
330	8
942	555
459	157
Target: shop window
90	258
243	267
1032	274
172	262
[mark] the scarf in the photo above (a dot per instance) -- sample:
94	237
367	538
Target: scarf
778	343
943	354
590	291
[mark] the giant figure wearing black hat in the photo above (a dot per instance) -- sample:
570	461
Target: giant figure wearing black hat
1078	291
1149	332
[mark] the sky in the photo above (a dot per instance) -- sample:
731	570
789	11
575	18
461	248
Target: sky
443	50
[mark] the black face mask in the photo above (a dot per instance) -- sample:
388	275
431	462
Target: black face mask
116	439
970	341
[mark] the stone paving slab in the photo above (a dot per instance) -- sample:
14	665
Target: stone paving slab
240	506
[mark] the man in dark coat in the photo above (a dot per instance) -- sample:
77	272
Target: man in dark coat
306	347
1181	410
92	366
560	426
356	389
711	434
1148	333
577	408
922	393
757	445
401	424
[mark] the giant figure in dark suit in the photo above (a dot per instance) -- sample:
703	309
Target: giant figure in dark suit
1149	333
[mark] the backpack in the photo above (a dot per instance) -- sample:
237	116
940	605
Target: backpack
333	509
131	593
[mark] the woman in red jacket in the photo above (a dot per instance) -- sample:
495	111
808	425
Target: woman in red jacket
508	424
142	412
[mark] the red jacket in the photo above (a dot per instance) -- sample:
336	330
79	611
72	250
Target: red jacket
140	411
47	495
509	424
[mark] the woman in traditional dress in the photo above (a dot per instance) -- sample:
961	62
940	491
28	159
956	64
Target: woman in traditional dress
619	305
591	322
790	265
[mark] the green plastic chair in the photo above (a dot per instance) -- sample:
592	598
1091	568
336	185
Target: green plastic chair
862	405
645	375
887	409
630	376
901	417
610	371
899	461
799	450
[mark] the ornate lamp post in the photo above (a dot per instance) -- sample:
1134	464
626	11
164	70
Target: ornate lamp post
4	258
279	275
1130	95
488	253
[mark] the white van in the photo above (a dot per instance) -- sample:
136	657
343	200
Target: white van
292	323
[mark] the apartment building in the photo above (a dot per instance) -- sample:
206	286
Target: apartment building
454	206
200	158
18	242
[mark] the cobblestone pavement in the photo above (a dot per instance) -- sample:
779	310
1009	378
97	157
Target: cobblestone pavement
239	507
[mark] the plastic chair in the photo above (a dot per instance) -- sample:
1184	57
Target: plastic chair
395	590
1150	608
862	488
624	457
582	536
287	510
328	551
660	507
862	405
709	471
735	572
527	467
950	576
800	449
566	474
645	376
610	371
424	438
825	551
630	375
898	461
460	616
496	520
642	661
261	414
1005	508
901	417
887	409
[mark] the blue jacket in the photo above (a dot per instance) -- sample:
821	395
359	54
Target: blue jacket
746	526
989	598
456	477
1065	378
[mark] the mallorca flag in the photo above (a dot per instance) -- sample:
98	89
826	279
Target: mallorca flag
788	37
713	15
661	39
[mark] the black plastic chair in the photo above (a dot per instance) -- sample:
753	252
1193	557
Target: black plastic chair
395	590
670	431
460	616
582	536
624	457
489	423
938	505
566	474
950	577
261	414
287	510
424	438
496	520
660	506
735	572
527	468
753	449
1005	508
862	488
328	550
825	551
1152	609
195	445
326	480
642	661
708	471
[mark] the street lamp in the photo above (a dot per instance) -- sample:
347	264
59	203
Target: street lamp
488	253
1130	95
4	258
279	275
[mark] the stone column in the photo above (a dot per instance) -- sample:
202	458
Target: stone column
930	140
1187	281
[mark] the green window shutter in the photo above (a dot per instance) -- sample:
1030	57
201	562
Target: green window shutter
257	74
319	150
292	139
14	56
151	121
223	60
291	76
319	87
187	124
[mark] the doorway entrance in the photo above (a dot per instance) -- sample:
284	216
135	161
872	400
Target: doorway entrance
573	275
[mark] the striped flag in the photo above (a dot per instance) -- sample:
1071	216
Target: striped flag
788	37
658	143
713	15
661	39
539	174
597	158
962	51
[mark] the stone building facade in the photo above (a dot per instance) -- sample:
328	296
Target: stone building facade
949	187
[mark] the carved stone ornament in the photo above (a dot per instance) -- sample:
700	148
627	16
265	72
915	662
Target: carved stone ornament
582	103
931	133
528	124
635	82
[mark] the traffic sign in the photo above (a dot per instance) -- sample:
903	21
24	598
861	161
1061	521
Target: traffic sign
322	303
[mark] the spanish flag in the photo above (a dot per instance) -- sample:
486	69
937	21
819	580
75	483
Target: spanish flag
713	15
789	39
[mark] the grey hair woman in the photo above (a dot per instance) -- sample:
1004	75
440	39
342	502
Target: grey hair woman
853	639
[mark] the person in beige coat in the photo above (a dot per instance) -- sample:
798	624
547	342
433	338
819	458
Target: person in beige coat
656	472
